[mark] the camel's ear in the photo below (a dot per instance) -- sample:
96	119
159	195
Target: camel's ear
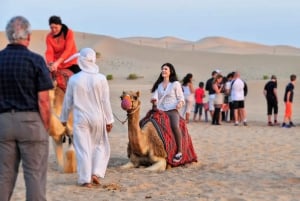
123	94
138	93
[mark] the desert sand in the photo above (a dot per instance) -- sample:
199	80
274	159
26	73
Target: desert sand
235	163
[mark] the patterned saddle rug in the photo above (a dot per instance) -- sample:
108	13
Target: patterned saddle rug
162	124
62	77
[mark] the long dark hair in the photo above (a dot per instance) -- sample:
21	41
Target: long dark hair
172	78
57	20
64	30
187	79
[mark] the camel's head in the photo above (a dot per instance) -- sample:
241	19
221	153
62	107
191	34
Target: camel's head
130	100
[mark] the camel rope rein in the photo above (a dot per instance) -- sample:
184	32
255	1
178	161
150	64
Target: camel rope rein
123	122
128	113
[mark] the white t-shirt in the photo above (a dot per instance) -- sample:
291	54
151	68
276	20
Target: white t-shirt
237	90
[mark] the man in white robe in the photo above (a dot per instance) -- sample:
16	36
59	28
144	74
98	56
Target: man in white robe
87	94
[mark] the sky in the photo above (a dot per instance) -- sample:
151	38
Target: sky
269	22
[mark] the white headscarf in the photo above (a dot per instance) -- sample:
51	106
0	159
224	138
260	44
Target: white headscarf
86	60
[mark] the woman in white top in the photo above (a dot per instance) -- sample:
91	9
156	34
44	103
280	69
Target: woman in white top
188	92
168	95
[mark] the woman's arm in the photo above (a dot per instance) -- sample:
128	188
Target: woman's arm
216	88
192	90
69	45
49	54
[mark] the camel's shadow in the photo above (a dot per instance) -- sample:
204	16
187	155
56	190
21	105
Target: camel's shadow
117	161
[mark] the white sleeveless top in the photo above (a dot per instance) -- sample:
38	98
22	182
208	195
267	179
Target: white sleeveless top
186	91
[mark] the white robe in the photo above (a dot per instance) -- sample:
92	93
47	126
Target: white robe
88	95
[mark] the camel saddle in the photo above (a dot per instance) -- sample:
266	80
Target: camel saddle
62	77
162	123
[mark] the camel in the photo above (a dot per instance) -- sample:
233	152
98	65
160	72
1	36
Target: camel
146	147
66	159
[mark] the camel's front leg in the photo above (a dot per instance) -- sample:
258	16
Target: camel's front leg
127	165
159	165
70	164
58	148
132	163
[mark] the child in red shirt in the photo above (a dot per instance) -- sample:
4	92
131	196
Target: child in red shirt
199	95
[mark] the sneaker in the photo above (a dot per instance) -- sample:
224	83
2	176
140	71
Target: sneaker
245	124
292	124
177	158
276	123
284	125
236	124
270	124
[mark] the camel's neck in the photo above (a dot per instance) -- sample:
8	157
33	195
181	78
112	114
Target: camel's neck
134	132
56	100
133	122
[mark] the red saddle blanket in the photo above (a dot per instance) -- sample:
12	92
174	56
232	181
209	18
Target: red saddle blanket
162	123
62	77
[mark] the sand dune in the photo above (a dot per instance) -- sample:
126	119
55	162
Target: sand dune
164	42
225	45
120	57
216	45
254	163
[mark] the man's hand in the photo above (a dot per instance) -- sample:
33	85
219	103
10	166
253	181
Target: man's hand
108	127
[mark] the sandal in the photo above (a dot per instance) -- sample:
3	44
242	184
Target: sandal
177	158
87	185
95	180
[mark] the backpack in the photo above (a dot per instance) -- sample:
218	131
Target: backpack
245	88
